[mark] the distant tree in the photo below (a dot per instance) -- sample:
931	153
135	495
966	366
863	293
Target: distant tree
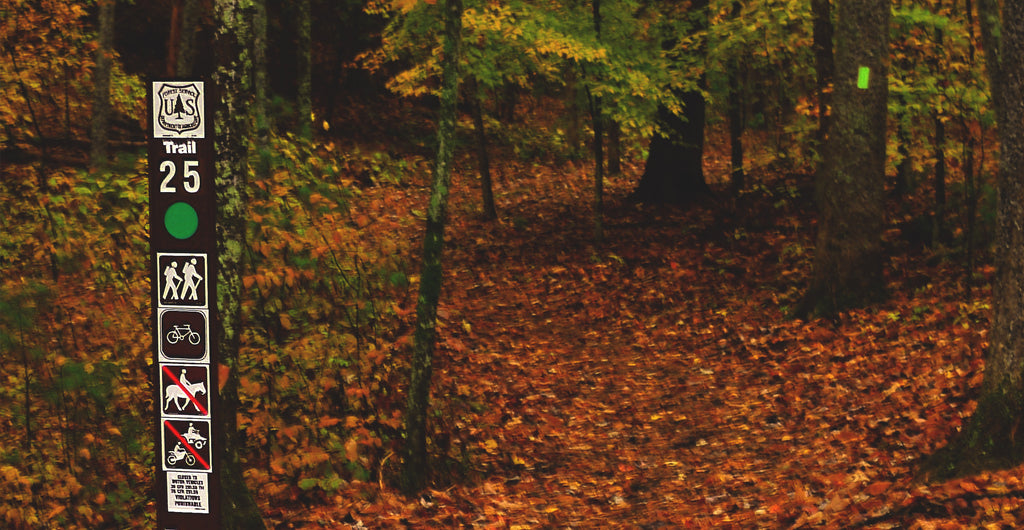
597	119
417	463
101	86
850	186
735	114
992	438
234	84
259	80
482	157
304	65
186	47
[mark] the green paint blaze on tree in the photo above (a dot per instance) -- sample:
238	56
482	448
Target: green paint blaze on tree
234	66
851	184
416	468
993	437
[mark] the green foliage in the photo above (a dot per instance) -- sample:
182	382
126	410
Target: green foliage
935	74
532	44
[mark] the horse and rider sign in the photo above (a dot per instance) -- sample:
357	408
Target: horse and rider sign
182	222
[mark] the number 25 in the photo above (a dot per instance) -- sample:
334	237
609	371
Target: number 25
190	180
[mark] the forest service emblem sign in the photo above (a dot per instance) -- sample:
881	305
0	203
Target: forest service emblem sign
178	110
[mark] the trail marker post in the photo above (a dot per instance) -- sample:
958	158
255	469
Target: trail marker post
183	258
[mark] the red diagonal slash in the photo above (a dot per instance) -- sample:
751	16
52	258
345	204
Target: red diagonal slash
184	442
191	398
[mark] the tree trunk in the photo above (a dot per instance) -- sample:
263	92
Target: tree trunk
186	45
597	119
259	79
824	63
416	470
735	104
991	438
737	176
304	62
675	160
939	183
674	172
598	123
614	147
486	187
850	187
101	87
572	112
233	83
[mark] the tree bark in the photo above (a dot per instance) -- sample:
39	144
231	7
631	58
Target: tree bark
851	185
233	82
674	172
991	438
416	471
101	87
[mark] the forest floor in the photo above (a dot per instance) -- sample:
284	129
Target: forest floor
653	380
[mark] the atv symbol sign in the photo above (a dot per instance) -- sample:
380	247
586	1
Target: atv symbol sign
186	445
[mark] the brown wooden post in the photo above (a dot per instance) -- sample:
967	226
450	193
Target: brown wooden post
182	220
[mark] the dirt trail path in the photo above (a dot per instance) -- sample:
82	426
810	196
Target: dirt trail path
613	385
652	381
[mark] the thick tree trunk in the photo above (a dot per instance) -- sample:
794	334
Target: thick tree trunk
850	188
233	84
416	470
675	159
101	86
991	438
674	172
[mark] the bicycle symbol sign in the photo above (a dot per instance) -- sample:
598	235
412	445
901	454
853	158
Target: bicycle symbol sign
184	335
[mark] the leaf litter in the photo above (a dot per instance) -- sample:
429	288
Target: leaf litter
654	381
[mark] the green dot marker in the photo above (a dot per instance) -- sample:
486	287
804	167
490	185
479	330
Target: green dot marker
181	220
863	75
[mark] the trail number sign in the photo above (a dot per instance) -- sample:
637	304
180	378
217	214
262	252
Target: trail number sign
183	257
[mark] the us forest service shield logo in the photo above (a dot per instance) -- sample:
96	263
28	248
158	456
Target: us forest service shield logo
178	110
